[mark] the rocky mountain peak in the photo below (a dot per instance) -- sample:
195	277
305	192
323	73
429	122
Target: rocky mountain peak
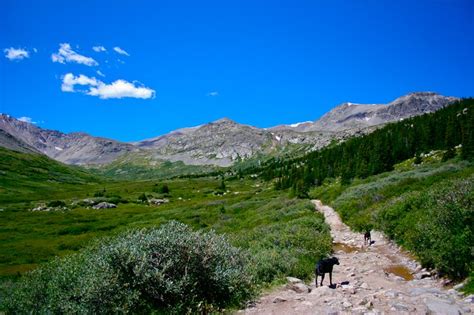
223	121
420	97
353	116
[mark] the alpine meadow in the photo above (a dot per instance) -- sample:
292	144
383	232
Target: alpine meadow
111	203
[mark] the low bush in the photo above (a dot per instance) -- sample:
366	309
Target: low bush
287	240
436	225
56	203
169	269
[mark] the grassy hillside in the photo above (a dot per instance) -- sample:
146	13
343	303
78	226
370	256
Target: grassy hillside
25	177
142	166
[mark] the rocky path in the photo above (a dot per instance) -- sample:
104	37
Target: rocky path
376	279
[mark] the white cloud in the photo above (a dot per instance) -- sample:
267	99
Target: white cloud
27	120
99	48
121	51
121	89
66	54
35	50
116	89
213	93
16	53
69	80
100	73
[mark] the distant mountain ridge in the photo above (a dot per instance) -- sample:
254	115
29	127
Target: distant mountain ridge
73	148
352	115
222	142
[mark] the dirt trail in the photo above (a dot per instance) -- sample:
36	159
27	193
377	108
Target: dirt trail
379	279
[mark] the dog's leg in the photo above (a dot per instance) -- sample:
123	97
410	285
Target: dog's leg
330	278
316	279
322	278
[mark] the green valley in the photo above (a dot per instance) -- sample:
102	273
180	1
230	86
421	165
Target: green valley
420	195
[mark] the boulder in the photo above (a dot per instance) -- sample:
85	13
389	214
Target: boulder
40	208
400	307
293	280
157	202
323	291
299	287
459	286
362	302
469	299
421	291
88	201
104	205
391	294
436	306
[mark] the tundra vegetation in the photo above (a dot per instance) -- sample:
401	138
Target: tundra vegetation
248	228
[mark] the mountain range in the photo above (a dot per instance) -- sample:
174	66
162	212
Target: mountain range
222	142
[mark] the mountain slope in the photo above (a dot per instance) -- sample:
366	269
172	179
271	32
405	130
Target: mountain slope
73	148
220	142
28	176
10	142
358	116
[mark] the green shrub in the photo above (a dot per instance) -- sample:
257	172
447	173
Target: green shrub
436	225
469	287
427	210
56	203
142	198
169	269
100	193
162	189
289	244
116	199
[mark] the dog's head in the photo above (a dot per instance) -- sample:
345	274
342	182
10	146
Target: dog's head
335	260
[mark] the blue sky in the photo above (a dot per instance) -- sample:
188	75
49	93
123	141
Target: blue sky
190	62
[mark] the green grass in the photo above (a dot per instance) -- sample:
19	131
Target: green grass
469	287
284	234
142	166
25	177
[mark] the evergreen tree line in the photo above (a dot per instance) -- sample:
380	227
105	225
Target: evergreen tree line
380	150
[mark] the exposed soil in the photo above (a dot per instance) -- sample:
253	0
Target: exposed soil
376	279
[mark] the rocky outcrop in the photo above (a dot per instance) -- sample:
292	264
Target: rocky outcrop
157	201
104	205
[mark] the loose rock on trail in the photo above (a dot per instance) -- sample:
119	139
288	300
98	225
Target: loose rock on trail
377	279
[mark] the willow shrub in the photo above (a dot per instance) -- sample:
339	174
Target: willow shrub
169	269
437	225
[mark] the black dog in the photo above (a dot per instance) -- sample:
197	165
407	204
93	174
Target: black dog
367	238
324	266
